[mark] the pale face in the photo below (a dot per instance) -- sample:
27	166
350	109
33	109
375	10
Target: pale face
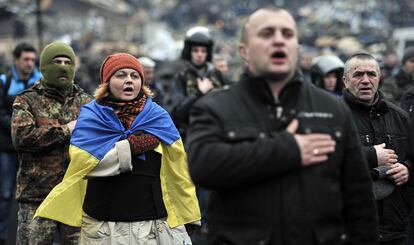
125	84
222	66
149	74
330	81
409	66
26	63
198	55
362	79
306	60
271	45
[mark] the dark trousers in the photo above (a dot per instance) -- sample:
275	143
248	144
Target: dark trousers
8	170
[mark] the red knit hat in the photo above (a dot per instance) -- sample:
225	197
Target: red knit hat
114	62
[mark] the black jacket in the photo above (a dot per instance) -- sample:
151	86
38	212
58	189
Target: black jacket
238	148
384	122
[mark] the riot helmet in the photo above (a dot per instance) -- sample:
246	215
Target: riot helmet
197	36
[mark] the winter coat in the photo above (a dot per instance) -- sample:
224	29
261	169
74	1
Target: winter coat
384	122
261	193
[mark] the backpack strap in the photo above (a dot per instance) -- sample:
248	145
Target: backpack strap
9	77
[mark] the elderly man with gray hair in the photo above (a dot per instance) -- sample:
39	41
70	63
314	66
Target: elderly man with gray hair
385	132
149	69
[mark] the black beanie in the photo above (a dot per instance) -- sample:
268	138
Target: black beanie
408	53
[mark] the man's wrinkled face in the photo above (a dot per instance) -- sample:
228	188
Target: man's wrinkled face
26	62
270	44
363	78
222	66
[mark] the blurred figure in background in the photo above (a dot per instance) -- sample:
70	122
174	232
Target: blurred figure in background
197	79
149	70
395	86
390	65
82	77
221	63
327	72
305	63
21	75
407	103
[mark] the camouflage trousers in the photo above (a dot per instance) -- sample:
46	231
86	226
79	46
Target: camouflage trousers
41	231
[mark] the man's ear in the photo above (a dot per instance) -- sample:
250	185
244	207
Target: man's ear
243	52
345	81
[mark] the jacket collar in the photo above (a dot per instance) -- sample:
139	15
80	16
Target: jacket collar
378	108
261	90
54	93
34	76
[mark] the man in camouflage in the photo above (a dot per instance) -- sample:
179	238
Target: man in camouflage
43	119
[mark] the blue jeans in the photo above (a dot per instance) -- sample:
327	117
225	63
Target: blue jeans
8	170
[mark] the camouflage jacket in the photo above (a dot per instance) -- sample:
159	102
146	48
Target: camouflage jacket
41	138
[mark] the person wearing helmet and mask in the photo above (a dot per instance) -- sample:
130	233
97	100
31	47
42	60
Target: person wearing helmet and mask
198	78
326	72
43	119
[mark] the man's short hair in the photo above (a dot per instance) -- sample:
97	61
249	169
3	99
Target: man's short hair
22	47
243	35
219	57
359	56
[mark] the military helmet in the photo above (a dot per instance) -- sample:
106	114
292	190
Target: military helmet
199	36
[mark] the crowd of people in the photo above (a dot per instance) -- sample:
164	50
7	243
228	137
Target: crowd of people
303	147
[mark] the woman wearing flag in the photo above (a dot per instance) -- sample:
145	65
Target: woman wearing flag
128	180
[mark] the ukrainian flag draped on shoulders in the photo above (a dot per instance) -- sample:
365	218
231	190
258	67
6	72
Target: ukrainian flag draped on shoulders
96	132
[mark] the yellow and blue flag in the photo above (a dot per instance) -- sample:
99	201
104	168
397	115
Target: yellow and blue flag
96	132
